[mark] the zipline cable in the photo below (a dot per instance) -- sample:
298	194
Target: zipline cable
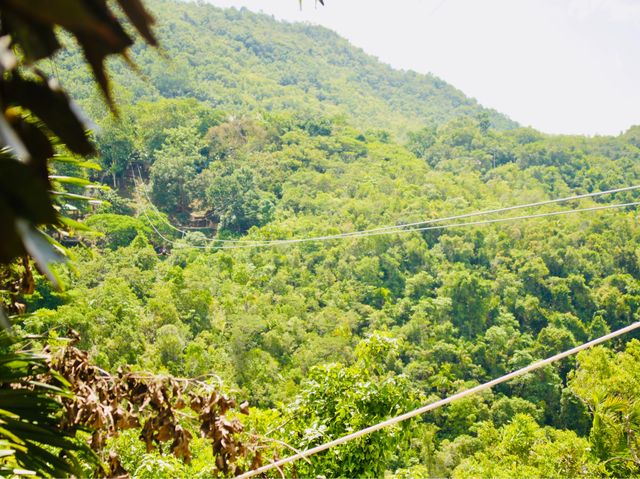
440	227
507	208
404	225
440	220
389	232
437	404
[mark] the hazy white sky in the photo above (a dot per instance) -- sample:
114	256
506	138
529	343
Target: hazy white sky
562	66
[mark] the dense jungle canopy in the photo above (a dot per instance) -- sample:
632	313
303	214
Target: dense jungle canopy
246	129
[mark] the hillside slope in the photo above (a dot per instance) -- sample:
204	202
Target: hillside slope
257	131
239	60
345	333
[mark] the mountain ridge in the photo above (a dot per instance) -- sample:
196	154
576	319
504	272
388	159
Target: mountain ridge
239	60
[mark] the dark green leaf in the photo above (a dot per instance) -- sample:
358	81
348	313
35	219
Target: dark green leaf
140	18
52	106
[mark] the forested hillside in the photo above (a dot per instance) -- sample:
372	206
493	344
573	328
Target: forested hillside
257	130
242	61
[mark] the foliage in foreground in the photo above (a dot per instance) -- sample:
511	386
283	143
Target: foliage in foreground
33	440
38	122
47	399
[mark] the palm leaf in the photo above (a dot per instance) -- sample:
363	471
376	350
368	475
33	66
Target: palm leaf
30	436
